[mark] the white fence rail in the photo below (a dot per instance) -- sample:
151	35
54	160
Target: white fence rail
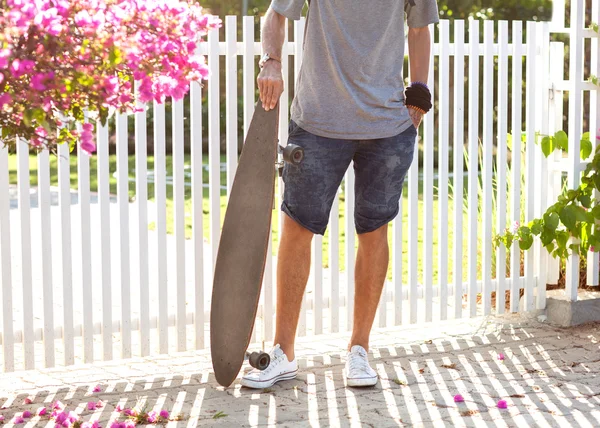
115	269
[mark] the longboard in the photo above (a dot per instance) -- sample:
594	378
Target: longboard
243	247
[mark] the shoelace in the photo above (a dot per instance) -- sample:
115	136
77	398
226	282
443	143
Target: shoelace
275	360
358	361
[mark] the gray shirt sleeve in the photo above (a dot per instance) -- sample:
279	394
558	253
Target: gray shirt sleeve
423	13
291	9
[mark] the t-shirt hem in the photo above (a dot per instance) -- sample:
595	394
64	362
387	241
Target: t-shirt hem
354	136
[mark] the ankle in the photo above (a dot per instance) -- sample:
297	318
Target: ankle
363	343
288	350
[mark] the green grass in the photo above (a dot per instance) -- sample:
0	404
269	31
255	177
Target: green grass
223	202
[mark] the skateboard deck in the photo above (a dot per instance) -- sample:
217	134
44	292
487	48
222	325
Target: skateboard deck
243	247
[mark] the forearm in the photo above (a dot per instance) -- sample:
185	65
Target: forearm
419	50
273	33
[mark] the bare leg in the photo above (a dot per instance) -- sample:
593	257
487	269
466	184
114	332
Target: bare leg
370	272
293	269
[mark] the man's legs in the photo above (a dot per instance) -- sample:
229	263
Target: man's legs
293	269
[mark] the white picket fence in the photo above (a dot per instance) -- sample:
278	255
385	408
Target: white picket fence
88	281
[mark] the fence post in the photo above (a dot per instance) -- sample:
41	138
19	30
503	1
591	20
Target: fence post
575	98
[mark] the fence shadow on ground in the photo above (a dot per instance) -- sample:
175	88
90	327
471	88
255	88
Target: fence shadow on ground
549	377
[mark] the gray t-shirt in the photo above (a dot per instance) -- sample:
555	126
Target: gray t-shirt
350	84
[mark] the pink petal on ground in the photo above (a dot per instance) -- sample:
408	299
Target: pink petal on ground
58	405
42	411
91	405
118	408
97	388
27	401
501	356
458	398
18	420
1	418
26	414
502	404
99	404
164	414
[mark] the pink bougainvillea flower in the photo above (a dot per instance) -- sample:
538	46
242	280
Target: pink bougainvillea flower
118	408
42	411
26	414
99	404
91	405
57	405
1	418
5	99
28	400
18	420
164	414
61	417
502	404
73	417
89	127
152	417
129	412
501	356
458	398
129	424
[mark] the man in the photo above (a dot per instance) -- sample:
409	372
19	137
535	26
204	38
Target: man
350	105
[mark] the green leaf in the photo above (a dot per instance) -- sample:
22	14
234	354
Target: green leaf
561	240
585	200
115	57
585	148
596	178
526	242
568	216
562	141
547	237
547	146
549	247
536	226
551	221
596	212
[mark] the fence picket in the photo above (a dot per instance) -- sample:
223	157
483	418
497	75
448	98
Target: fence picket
593	265
231	98
83	178
501	160
458	151
488	147
124	257
160	195
428	184
102	156
443	143
473	161
141	198
530	147
179	221
6	277
515	255
334	267
350	244
214	153
197	211
575	123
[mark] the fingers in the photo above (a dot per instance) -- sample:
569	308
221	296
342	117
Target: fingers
270	87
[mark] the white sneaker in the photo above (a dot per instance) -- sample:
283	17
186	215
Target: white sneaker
280	368
358	371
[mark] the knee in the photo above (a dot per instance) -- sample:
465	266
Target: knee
294	231
375	238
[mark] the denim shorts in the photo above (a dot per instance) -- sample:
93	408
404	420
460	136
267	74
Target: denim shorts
380	166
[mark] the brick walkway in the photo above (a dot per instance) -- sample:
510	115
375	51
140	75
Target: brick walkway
549	377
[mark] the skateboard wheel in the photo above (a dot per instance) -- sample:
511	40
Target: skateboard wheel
259	360
293	154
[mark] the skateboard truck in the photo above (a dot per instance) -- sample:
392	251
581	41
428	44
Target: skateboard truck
291	153
258	360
